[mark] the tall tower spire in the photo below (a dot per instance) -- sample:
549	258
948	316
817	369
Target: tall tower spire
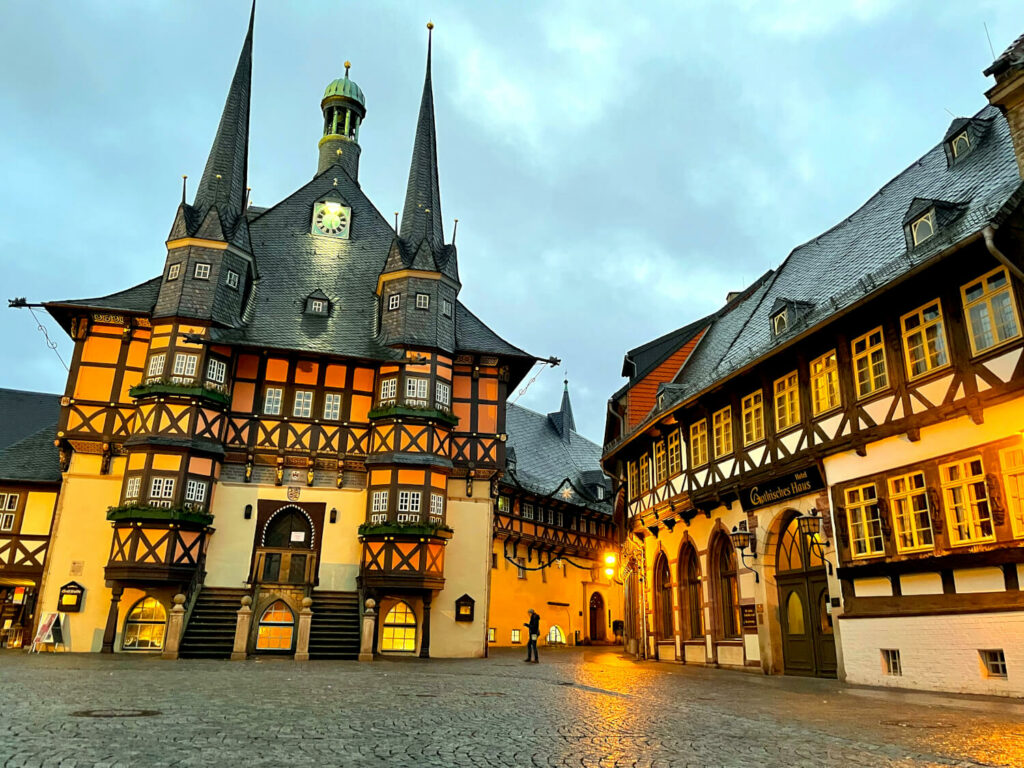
421	217
224	179
562	419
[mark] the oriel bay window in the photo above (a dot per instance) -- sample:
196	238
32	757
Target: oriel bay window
924	340
443	395
824	383
161	491
156	366
723	432
379	507
699	443
132	486
966	500
416	391
787	402
1012	461
408	506
388	390
185	368
990	311
195	492
865	521
216	370
753	418
911	514
869	368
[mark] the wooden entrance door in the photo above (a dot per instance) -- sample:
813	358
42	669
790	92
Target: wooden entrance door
808	642
596	617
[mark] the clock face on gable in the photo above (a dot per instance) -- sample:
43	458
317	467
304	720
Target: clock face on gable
332	219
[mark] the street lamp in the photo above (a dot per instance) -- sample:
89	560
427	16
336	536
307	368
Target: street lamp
741	539
610	559
809	525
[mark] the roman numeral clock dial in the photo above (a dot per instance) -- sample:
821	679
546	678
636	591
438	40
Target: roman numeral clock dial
331	219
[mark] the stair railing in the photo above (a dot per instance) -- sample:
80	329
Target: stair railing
194	588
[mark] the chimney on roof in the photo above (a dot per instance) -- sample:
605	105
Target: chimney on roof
1008	93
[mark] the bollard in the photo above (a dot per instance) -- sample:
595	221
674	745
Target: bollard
302	641
369	627
241	649
175	627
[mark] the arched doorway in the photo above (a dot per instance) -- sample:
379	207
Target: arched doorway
691	603
663	599
808	642
285	551
725	589
597	621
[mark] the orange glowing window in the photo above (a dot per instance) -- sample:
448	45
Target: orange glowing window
399	629
276	628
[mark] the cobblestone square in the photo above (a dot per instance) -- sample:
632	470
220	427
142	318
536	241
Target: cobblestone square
577	708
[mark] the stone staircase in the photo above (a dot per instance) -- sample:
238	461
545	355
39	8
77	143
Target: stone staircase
210	632
334	631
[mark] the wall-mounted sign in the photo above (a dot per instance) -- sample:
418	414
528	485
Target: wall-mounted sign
748	617
71	596
781	489
464	608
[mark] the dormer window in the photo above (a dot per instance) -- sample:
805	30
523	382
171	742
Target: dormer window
780	322
317	306
317	303
964	135
923	228
961	144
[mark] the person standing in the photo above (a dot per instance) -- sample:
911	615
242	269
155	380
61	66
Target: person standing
533	634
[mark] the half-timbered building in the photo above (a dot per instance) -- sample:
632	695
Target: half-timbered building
555	548
297	413
829	481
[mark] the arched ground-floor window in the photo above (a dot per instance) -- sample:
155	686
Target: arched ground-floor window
399	629
690	594
144	627
276	628
663	599
723	571
555	635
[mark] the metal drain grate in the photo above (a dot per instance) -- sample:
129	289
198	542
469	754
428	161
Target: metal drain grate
116	713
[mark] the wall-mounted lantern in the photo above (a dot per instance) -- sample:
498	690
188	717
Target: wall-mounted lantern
464	607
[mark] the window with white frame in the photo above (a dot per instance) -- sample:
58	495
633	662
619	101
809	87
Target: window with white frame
185	367
699	443
993	662
156	366
379	517
7	521
865	521
132	487
9	501
675	453
1012	462
891	664
422	301
173	271
195	491
528	511
231	279
302	407
416	389
634	480
966	500
216	370
504	504
388	390
824	383
645	473
446	308
443	395
924	340
753	418
161	490
409	501
317	306
380	501
869	368
332	406
911	513
515	632
202	271
660	463
787	402
722	422
436	507
990	310
272	401
394	301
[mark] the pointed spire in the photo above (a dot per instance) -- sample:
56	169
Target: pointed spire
562	419
421	217
224	180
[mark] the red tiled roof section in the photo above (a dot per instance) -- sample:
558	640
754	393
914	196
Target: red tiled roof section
641	397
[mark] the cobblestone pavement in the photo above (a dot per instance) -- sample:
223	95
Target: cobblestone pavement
577	708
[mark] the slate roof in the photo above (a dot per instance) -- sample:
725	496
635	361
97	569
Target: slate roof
860	255
1013	56
545	462
33	459
24	413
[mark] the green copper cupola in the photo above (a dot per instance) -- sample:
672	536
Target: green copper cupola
344	108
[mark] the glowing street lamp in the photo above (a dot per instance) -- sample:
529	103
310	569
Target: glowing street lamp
610	560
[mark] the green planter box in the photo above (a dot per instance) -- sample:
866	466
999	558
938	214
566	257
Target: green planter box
159	514
179	390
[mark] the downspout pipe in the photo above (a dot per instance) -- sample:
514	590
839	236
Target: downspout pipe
990	242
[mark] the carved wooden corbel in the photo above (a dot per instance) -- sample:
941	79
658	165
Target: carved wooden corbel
995	499
935	510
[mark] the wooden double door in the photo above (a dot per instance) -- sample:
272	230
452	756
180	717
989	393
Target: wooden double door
808	640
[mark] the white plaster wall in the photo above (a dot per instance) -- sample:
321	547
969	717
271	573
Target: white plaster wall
921	584
979	580
876	587
938	653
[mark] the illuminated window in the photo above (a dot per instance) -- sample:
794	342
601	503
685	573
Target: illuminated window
924	340
185	367
990	311
332	406
961	144
994	662
660	463
515	636
865	521
490	634
645	473
231	279
634	480
699	443
442	395
173	271
272	401
891	664
787	404
156	366
303	405
388	390
144	627
202	271
422	301
521	568
276	628
911	513
966	501
824	383
780	322
723	432
504	504
132	487
399	629
753	418
1012	461
923	228
195	491
216	370
394	301
869	367
675	453
555	635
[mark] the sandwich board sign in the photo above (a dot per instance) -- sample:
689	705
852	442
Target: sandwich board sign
49	631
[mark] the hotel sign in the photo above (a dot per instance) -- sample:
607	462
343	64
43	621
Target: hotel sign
782	488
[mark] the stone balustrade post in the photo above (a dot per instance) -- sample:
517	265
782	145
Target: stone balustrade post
241	650
369	628
302	641
175	628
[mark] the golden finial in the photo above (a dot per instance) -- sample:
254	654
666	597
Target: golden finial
430	25
338	153
348	65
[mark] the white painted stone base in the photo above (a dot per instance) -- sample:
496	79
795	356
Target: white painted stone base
938	653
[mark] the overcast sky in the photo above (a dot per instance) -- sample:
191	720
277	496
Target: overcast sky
616	169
